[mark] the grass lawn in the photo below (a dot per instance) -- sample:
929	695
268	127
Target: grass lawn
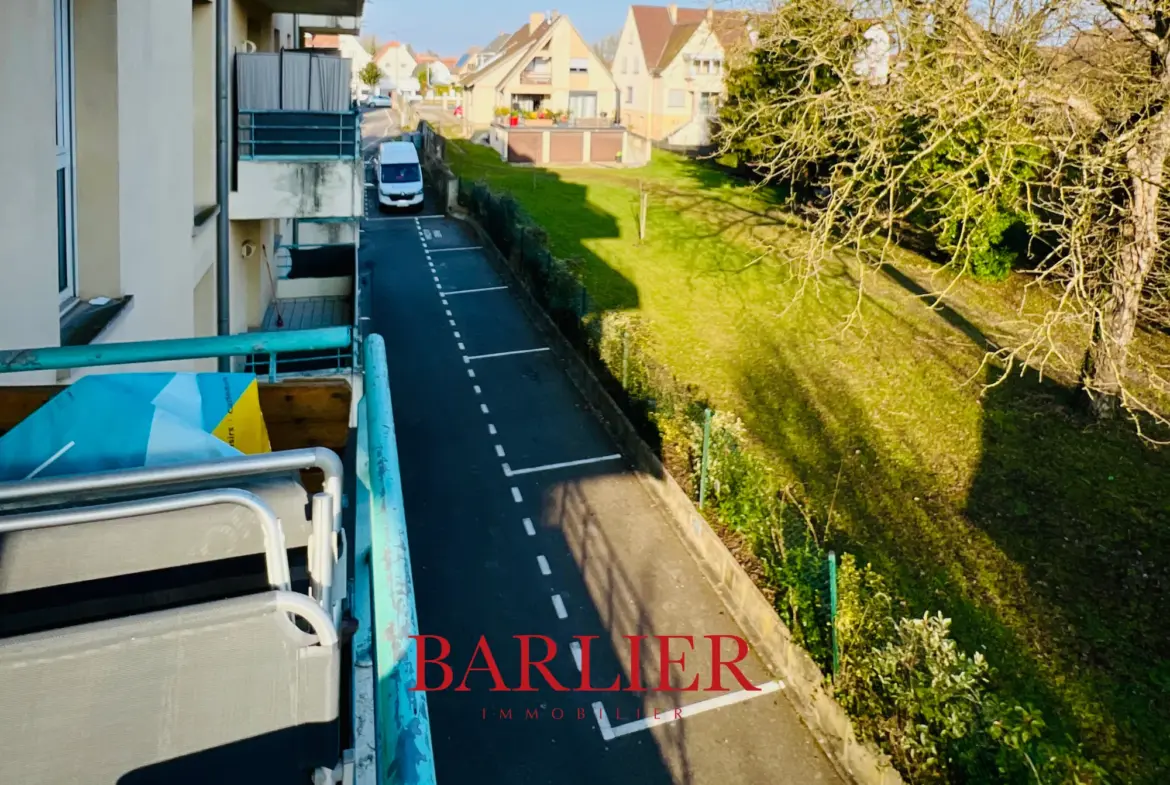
1045	536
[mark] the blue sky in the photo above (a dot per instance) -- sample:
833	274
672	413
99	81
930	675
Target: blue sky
451	26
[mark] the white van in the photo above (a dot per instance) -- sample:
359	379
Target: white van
400	182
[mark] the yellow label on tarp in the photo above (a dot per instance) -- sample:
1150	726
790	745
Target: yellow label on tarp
244	427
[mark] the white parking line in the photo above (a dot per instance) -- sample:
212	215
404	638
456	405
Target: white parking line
474	291
510	472
609	733
463	248
575	647
559	604
469	358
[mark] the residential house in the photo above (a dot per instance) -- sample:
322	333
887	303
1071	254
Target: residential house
544	65
467	62
669	65
491	51
397	65
437	69
349	47
108	148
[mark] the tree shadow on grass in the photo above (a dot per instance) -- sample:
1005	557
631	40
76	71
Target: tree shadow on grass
1054	564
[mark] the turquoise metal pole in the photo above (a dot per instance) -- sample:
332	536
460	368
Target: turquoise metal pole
58	357
405	755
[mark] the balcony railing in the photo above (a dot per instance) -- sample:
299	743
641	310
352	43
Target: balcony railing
535	77
281	135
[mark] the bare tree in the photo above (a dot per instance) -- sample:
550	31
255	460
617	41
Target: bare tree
948	114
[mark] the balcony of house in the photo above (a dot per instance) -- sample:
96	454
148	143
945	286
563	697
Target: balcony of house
314	267
321	8
297	138
323	24
538	73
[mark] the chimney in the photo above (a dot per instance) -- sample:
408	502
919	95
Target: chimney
672	12
534	21
710	16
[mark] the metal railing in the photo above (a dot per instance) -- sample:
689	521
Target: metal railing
535	77
282	135
403	750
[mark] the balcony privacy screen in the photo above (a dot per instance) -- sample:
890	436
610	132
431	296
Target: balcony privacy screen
292	81
294	105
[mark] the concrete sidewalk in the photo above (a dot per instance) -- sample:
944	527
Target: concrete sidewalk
524	519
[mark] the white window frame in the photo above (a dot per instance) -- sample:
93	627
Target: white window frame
629	94
65	132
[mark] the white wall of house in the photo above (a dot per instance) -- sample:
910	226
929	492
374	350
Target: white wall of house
398	66
135	149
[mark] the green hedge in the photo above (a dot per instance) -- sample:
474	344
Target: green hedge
902	678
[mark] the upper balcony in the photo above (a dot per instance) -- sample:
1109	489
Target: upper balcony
334	8
297	138
322	24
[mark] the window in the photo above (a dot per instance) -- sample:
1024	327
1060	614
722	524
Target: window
63	67
676	99
401	173
579	65
625	65
582	105
636	66
629	95
708	103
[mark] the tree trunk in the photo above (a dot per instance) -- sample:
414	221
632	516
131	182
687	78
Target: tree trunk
1107	358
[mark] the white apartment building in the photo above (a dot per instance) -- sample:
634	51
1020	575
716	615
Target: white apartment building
108	150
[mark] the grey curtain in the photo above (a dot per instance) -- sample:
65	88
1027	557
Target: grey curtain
293	81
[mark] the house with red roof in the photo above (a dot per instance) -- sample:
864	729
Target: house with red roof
669	68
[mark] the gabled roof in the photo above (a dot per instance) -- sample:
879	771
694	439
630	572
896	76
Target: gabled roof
325	42
382	50
497	43
523	38
661	39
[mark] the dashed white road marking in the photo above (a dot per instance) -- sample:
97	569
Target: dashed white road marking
477	390
500	450
559	604
449	313
491	429
510	472
469	358
529	528
463	248
609	733
474	291
461	346
516	495
470	372
457	335
575	647
543	564
483	408
452	322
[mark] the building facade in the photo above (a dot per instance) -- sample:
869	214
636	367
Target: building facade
109	151
670	65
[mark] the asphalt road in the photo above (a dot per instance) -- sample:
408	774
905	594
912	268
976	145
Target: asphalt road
507	540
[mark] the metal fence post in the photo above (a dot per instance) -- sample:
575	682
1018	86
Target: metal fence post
833	610
705	457
625	359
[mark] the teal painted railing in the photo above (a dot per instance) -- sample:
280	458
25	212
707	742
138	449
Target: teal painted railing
282	135
270	344
404	752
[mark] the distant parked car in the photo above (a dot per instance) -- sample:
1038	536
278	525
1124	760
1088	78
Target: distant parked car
379	101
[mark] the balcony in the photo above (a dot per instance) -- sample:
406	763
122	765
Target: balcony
322	24
338	8
297	138
535	78
297	164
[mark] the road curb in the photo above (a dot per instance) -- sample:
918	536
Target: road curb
862	763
